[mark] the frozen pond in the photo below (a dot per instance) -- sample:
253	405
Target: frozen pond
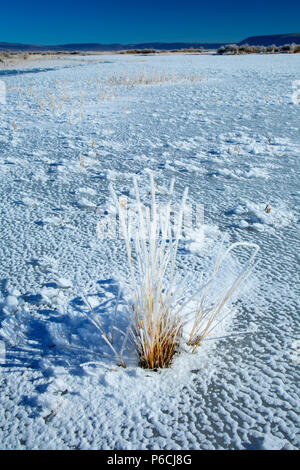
226	127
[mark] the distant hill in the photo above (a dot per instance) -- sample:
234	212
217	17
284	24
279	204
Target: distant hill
276	39
148	45
5	46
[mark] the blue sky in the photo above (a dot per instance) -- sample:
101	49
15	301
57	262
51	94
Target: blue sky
116	21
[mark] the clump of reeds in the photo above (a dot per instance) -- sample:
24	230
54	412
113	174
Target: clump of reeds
156	328
159	296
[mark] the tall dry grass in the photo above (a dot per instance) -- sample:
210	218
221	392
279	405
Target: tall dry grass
163	316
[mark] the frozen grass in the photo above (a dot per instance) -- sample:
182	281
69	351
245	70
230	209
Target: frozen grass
152	78
159	303
60	97
234	49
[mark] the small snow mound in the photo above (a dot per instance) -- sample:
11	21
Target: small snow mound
64	283
87	190
83	202
11	303
258	227
239	210
271	442
28	201
243	224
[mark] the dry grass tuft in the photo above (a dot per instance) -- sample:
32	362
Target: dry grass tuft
157	341
156	328
159	300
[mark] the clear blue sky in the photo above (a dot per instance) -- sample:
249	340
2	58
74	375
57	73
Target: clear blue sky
132	21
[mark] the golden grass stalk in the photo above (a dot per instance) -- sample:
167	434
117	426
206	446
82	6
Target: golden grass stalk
207	316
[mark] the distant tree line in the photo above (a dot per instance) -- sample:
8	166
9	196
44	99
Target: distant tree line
234	49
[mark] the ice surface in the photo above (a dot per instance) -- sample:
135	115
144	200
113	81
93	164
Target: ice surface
225	127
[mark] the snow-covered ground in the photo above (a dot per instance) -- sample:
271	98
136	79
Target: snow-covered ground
226	127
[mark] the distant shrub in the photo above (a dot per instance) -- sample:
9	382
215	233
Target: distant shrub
133	51
262	49
221	50
296	49
229	49
139	51
286	48
191	50
4	55
246	49
147	51
272	49
234	49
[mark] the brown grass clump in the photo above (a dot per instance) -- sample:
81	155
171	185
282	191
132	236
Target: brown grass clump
157	342
164	316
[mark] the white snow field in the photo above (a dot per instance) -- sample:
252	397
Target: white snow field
226	127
